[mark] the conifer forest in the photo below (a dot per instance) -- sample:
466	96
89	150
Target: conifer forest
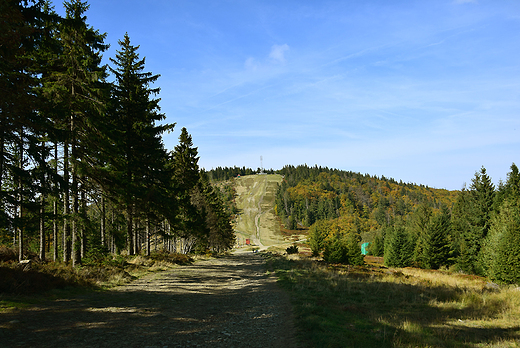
474	230
84	170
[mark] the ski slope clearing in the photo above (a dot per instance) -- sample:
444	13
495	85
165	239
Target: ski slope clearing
257	221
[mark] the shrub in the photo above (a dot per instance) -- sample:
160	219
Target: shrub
292	250
335	251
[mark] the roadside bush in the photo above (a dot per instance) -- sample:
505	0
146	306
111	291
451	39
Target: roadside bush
344	249
292	249
335	251
317	234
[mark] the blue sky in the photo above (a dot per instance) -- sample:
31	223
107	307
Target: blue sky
421	91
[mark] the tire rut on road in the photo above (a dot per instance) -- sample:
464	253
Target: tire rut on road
221	302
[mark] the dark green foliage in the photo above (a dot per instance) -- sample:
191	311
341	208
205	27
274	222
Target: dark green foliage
221	236
377	246
226	173
343	248
500	253
335	250
23	129
293	249
354	256
507	266
472	215
420	224
317	234
436	250
136	163
398	248
78	154
483	192
186	178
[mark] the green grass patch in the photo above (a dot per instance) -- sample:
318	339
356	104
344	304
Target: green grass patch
372	306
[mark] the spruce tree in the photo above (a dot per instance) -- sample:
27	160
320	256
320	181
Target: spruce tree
419	232
471	221
138	154
317	234
398	248
500	254
189	221
23	129
354	256
503	248
76	87
220	235
335	249
436	251
483	192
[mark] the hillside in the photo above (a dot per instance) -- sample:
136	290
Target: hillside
256	221
362	202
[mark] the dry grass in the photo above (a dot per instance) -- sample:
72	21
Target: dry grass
112	270
345	306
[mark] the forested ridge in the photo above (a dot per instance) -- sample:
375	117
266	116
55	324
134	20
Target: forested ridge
475	230
83	168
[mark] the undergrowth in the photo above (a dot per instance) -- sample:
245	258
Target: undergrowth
21	285
374	306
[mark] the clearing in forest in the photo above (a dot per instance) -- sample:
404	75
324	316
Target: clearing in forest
256	220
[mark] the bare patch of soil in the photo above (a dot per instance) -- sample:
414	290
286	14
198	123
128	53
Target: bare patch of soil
222	302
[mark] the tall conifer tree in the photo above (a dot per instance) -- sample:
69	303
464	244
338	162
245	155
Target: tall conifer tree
138	152
190	220
76	86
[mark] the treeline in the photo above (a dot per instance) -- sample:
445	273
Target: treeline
478	235
83	167
225	173
475	230
344	208
309	194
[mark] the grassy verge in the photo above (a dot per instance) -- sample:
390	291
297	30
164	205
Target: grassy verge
24	287
372	306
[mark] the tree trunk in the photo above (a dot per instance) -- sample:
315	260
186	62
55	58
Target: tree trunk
74	222
103	219
66	208
20	200
55	212
130	226
83	235
1	164
147	237
42	228
20	230
42	211
137	236
76	238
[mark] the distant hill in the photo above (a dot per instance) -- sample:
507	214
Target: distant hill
308	194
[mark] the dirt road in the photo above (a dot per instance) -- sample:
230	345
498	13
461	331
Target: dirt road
223	302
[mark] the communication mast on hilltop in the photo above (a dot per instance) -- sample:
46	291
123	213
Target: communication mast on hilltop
261	165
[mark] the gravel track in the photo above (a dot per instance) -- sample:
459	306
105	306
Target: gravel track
222	302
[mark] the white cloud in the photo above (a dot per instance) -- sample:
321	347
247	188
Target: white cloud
278	53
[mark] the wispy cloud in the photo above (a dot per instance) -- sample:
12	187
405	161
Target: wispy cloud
278	53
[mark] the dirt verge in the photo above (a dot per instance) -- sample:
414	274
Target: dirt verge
222	302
